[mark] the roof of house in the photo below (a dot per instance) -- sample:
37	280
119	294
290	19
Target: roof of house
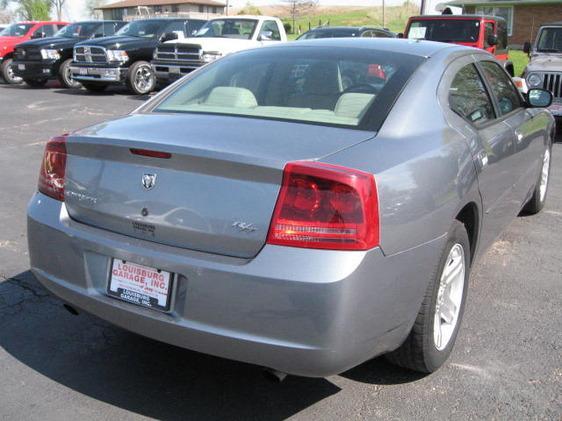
499	2
134	3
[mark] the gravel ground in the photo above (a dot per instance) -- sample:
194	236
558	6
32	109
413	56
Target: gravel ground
507	363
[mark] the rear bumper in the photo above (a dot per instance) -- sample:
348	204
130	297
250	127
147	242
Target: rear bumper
35	69
98	74
168	72
304	312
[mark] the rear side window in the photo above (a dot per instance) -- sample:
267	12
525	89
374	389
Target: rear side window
468	96
489	31
500	83
270	31
328	86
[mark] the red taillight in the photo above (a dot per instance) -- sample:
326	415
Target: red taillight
53	168
326	207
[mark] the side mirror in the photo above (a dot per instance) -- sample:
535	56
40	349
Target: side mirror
168	36
38	35
400	35
539	98
265	36
527	47
492	40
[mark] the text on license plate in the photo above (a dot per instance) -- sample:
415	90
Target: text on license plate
83	71
141	285
21	66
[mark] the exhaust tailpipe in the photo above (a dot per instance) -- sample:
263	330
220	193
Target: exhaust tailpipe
71	309
274	375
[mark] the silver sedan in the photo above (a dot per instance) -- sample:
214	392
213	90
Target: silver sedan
304	207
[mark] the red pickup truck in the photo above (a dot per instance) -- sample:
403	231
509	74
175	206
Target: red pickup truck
485	32
20	32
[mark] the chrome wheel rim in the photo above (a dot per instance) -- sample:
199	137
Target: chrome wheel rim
12	76
68	76
449	297
544	175
144	79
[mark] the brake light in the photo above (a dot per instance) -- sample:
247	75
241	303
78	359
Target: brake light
151	153
325	206
53	168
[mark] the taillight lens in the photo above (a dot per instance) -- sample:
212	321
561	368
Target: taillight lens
53	168
326	206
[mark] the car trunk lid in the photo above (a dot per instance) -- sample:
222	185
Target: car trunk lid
214	193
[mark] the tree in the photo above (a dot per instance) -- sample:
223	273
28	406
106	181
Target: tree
34	9
58	5
250	9
298	8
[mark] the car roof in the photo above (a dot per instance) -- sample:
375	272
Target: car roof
457	17
557	23
404	46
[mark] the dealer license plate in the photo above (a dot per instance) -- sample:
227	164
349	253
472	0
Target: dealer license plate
175	70
21	66
83	71
141	285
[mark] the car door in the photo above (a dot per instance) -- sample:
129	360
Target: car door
528	132
491	141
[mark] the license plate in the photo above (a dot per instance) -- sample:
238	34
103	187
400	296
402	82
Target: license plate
175	70
21	66
83	72
141	285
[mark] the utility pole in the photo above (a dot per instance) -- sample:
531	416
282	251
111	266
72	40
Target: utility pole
383	16
422	7
227	6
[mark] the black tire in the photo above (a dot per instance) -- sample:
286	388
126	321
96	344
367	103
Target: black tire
141	79
94	87
7	74
65	77
537	201
419	352
36	83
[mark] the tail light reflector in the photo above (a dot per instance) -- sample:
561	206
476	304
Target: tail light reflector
53	168
326	206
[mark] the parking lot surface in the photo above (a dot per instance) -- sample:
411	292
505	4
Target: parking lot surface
507	363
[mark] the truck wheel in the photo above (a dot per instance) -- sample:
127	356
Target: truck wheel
94	87
8	74
433	335
65	75
36	83
141	80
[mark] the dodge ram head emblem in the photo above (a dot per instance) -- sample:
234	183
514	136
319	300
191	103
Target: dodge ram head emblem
149	181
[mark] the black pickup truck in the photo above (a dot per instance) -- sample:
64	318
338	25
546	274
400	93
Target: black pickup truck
125	57
39	60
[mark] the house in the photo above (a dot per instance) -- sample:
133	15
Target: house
524	17
132	9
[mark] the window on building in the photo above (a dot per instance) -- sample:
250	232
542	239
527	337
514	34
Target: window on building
201	9
175	8
505	12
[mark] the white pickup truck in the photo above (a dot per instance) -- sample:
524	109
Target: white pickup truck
217	38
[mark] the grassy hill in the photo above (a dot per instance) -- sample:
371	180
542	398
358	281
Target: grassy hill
395	19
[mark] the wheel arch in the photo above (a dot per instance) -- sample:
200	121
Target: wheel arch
469	216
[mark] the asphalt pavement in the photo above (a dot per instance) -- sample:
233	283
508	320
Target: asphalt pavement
507	363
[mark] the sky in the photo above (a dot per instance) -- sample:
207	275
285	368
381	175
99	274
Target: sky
76	9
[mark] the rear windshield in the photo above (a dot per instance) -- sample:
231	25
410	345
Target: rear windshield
16	30
228	28
321	85
78	30
142	29
446	30
336	33
550	40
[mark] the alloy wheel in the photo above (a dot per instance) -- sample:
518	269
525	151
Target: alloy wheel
544	175
144	79
449	297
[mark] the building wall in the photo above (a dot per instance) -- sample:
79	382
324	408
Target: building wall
527	19
169	10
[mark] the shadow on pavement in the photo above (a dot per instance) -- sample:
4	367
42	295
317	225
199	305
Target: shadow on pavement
137	374
147	377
